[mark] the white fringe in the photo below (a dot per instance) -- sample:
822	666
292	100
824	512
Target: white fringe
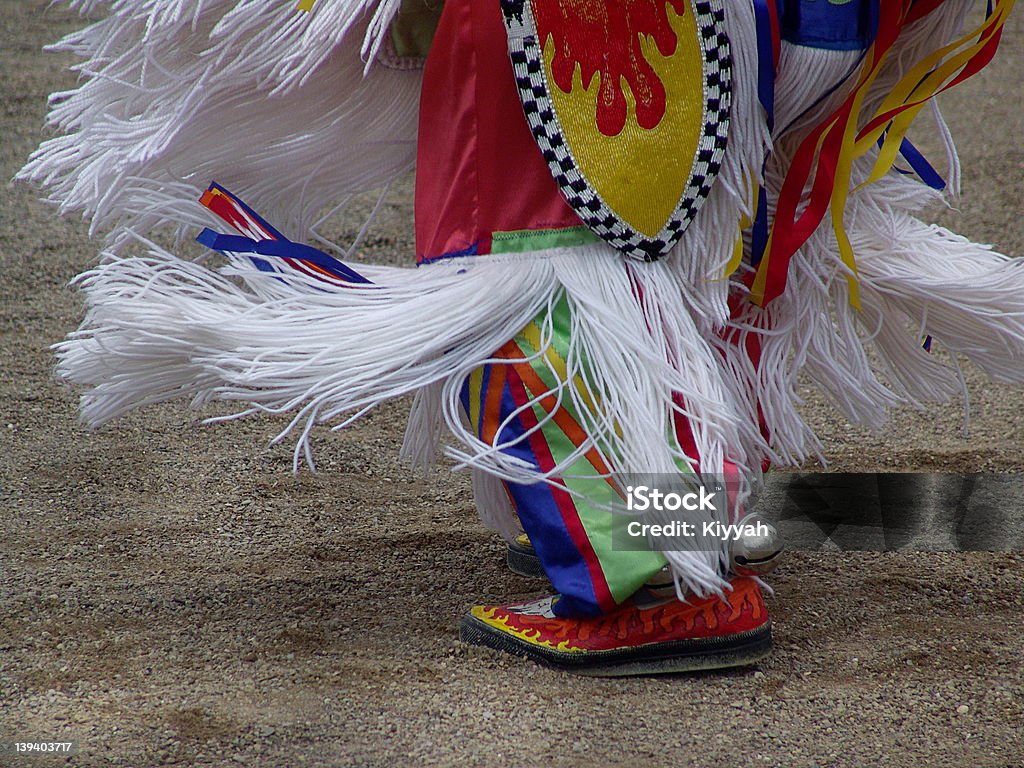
907	272
270	102
494	506
160	328
706	248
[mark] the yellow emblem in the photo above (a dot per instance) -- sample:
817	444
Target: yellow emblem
629	102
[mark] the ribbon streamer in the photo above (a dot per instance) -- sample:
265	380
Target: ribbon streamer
259	238
825	159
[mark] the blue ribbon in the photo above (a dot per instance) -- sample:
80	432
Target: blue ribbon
918	164
281	249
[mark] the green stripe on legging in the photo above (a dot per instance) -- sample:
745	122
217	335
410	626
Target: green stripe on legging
624	571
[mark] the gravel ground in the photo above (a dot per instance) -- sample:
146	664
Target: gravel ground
170	594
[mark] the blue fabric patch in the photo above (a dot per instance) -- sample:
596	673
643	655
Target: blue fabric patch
838	25
473	250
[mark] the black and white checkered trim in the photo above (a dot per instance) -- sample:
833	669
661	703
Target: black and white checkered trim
527	63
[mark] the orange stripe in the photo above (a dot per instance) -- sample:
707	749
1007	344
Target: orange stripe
318	268
549	402
492	406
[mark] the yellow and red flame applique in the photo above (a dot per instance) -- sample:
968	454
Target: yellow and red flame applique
633	627
575	25
629	103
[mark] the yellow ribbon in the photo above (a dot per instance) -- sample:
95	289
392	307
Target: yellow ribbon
746	222
918	86
909	95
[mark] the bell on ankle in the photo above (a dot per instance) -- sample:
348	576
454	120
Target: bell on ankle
758	548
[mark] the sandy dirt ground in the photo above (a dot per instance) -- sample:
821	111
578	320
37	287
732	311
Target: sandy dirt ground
170	594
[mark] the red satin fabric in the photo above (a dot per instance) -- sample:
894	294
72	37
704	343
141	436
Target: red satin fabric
479	169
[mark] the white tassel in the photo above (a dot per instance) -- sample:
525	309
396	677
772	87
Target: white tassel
706	248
